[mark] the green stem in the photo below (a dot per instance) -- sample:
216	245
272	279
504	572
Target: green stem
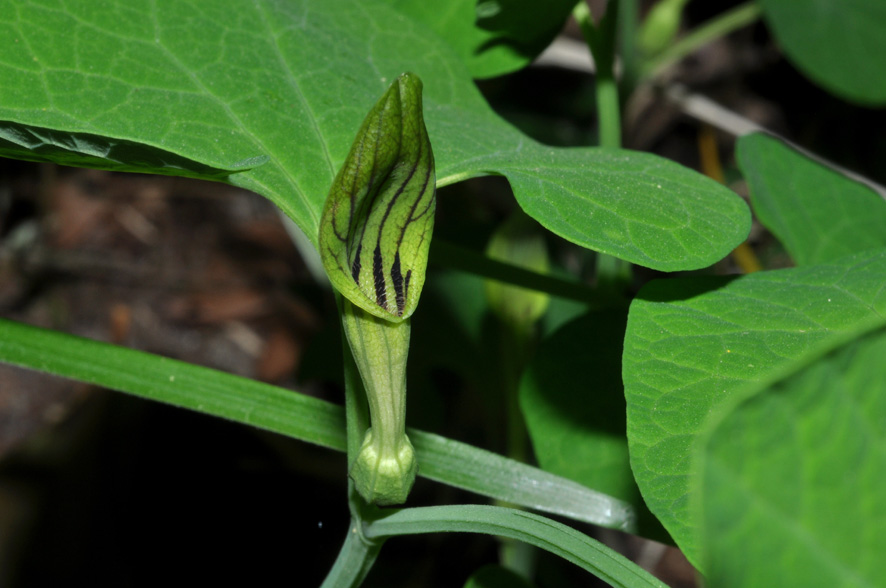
356	407
717	27
514	344
610	117
628	17
601	42
452	256
358	553
514	351
354	560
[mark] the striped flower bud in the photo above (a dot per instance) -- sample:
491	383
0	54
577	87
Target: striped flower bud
374	237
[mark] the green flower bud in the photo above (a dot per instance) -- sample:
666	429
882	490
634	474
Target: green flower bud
661	25
374	237
379	215
518	242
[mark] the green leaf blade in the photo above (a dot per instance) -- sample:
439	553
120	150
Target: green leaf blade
174	382
634	206
544	533
167	76
691	344
492	38
839	44
299	416
818	214
463	466
794	474
218	90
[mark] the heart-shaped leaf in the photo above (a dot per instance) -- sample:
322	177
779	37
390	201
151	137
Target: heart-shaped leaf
692	343
794	474
837	43
223	83
817	213
493	37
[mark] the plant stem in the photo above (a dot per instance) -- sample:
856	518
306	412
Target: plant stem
358	553
513	342
717	27
356	406
601	42
354	560
459	258
628	17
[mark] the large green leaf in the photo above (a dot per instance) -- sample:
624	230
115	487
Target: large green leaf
795	476
296	415
627	201
837	43
691	343
492	37
817	213
217	84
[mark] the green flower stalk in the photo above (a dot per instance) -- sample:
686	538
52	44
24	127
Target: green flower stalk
374	237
